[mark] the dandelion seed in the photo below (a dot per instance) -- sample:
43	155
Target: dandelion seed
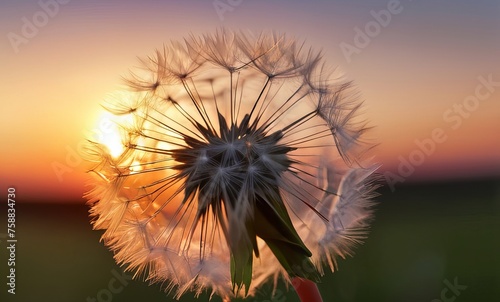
243	164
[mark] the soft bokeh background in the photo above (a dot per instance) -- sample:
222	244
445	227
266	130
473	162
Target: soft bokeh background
439	221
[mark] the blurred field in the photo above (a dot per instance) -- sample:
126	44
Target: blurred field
423	234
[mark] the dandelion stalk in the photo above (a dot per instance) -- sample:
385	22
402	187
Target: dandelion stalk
242	163
307	290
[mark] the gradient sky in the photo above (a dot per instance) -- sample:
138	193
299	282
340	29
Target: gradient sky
426	60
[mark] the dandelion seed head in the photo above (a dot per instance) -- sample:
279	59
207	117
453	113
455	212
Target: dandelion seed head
242	162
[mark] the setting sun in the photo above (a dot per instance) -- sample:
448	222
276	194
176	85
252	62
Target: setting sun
109	134
110	125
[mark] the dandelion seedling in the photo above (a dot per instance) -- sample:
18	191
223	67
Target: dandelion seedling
241	163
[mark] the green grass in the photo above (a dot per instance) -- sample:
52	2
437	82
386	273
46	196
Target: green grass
422	235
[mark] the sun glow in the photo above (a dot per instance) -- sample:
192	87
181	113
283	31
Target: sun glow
110	125
110	134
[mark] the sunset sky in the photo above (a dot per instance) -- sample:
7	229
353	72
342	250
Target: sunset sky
427	70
